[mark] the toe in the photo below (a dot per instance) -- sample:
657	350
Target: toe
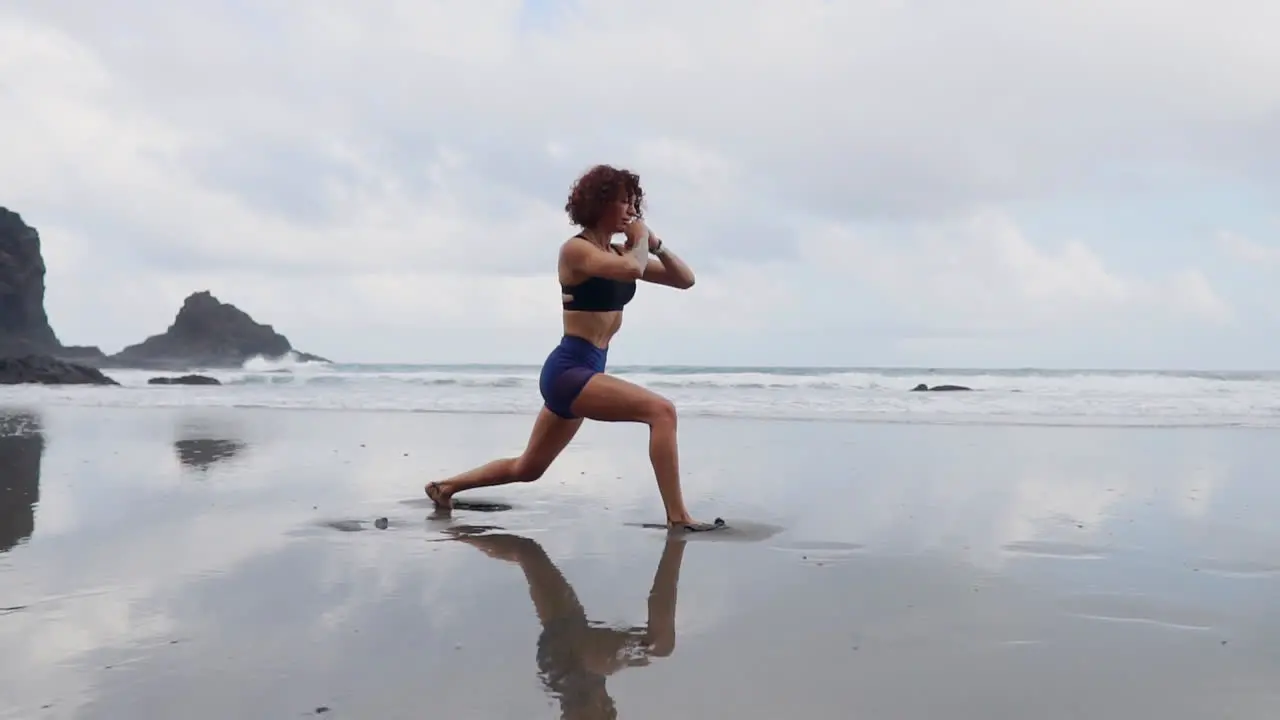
436	494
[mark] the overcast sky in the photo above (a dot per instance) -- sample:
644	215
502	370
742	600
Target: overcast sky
875	182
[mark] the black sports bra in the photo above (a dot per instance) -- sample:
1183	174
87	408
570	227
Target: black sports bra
598	294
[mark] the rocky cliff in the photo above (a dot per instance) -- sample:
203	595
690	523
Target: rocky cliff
207	333
24	327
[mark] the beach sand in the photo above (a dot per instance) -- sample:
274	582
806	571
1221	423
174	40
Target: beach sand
197	563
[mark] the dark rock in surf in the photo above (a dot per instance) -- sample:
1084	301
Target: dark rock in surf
208	333
938	388
185	380
46	370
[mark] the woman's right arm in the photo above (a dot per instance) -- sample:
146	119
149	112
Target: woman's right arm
589	259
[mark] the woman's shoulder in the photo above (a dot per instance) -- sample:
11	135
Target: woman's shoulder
579	244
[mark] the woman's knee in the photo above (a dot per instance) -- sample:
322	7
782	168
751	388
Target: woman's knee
660	412
528	470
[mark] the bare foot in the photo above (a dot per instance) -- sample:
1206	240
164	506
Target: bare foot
443	500
688	524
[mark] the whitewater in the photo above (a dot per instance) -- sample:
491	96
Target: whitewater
1027	396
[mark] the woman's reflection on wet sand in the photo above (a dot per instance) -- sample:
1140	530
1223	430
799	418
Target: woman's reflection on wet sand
574	655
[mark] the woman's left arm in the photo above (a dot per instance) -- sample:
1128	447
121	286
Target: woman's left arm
665	267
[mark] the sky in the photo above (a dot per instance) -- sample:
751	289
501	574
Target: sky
885	182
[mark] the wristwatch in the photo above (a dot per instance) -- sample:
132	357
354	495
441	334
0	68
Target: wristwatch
658	250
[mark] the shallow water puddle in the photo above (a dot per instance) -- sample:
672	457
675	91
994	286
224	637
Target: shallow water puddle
1122	607
821	551
1065	550
1237	569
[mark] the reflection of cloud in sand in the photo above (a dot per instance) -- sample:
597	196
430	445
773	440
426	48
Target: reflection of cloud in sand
954	490
1065	500
1194	492
128	464
130	608
85	623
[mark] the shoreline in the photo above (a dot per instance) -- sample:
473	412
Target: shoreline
859	398
976	420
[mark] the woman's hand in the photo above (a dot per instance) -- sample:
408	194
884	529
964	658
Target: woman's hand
655	242
636	231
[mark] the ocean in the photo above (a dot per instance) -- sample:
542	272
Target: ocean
1019	397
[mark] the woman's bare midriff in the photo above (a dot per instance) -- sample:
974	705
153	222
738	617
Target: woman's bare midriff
597	328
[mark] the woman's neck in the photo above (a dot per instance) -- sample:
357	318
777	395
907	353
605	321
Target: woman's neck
597	237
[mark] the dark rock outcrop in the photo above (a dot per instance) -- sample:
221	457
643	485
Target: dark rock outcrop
938	388
24	326
88	354
208	333
48	370
185	380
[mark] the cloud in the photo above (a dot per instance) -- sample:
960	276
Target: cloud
1249	251
360	170
983	273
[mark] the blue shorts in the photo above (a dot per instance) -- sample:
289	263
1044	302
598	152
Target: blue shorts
567	370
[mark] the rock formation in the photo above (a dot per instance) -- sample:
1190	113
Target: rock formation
208	333
938	388
185	380
48	370
24	327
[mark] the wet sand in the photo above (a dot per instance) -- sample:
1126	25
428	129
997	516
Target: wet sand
230	563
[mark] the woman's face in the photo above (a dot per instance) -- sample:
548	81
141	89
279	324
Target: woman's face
622	212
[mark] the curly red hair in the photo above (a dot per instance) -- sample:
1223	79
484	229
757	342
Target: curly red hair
591	194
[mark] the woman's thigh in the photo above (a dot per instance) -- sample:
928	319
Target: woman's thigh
551	434
607	398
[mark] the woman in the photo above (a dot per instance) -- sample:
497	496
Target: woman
597	279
